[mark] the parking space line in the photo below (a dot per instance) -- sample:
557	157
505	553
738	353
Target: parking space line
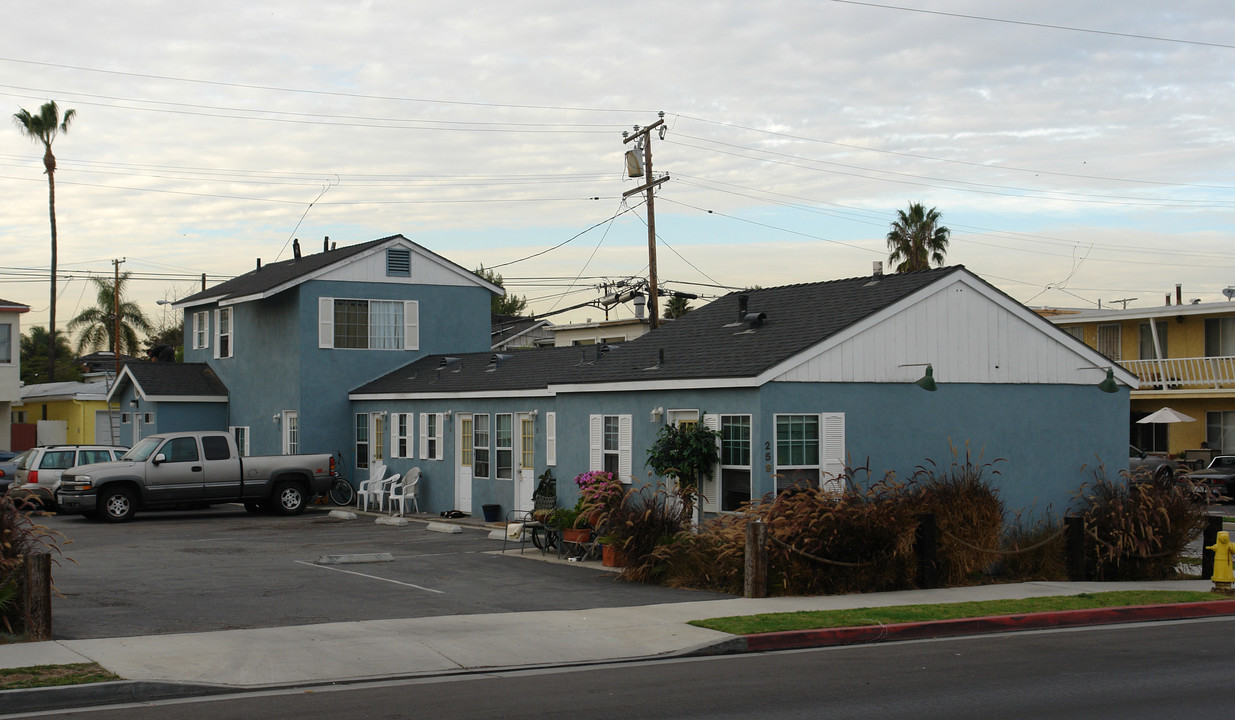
373	577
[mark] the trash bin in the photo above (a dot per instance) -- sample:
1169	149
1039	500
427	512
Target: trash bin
493	513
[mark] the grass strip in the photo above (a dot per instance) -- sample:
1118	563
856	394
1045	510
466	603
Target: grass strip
857	617
51	675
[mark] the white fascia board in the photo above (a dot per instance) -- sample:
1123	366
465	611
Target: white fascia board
659	385
539	392
1161	311
196	303
124	372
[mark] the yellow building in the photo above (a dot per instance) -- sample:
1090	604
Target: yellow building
1184	355
67	412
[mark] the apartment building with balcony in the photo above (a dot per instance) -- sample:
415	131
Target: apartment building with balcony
1184	355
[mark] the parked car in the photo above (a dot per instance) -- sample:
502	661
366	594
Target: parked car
8	468
173	470
38	474
1161	469
1217	480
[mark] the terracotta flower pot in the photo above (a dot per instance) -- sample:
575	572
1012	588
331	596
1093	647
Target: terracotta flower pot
611	556
576	535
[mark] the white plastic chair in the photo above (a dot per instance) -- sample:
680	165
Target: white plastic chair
386	489
406	491
370	490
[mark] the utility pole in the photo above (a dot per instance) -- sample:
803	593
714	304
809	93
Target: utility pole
115	297
643	135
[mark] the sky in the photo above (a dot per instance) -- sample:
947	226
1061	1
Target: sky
1080	152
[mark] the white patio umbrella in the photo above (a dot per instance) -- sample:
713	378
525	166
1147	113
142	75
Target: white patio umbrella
1166	415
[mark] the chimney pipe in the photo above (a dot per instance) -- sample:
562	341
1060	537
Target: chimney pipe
1179	294
878	270
742	300
326	244
259	263
296	248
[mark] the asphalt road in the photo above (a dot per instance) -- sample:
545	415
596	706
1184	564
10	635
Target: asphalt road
223	568
1167	670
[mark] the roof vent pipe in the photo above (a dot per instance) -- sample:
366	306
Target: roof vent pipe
326	244
878	268
1179	294
742	300
259	263
296	248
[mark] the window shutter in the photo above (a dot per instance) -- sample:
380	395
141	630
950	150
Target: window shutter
424	436
411	325
710	488
394	436
216	334
551	438
596	442
832	463
325	322
196	329
624	468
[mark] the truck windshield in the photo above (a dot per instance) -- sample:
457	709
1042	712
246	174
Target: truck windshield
143	449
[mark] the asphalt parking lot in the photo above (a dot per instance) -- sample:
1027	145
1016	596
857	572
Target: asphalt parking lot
222	568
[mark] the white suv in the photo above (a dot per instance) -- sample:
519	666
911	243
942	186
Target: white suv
38	474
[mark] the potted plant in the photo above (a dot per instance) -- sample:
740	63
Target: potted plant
600	492
566	519
687	453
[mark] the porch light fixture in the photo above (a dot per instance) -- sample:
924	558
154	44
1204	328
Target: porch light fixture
1109	385
657	414
276	417
927	381
132	403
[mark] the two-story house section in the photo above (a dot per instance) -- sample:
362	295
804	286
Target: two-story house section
10	364
289	339
1184	356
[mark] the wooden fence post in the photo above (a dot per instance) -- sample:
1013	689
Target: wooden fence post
1074	544
1213	525
926	547
756	560
36	595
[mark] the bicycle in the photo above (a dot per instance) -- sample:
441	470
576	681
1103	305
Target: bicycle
341	492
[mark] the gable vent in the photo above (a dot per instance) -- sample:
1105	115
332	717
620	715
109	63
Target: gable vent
398	262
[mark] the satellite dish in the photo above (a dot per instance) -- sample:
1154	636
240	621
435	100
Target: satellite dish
1229	292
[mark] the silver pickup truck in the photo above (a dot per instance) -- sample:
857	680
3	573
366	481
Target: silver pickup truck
192	468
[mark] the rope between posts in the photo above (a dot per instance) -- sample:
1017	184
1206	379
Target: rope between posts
1018	551
1164	553
816	558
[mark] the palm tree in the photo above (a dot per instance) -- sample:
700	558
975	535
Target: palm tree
99	322
35	345
676	306
917	239
43	128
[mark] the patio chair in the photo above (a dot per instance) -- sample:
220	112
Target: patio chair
524	525
369	490
404	492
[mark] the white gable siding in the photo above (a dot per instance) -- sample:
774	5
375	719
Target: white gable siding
371	268
967	334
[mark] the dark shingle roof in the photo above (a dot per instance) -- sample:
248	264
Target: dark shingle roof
275	274
158	380
706	343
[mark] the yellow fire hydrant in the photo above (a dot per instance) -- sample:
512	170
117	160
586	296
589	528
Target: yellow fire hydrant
1224	573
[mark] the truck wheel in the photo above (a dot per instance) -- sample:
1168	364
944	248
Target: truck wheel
117	505
288	498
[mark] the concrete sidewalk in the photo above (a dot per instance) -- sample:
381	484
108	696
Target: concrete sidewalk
352	651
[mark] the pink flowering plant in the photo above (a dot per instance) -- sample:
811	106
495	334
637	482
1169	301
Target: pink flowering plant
600	492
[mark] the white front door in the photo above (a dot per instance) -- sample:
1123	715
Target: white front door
525	464
463	463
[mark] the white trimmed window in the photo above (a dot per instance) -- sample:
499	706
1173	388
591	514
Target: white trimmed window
730	483
241	433
431	436
201	330
609	440
503	440
362	441
810	449
401	437
223	333
6	344
345	323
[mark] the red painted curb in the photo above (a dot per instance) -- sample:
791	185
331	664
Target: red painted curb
790	639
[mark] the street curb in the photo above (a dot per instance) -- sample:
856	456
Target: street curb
61	697
793	639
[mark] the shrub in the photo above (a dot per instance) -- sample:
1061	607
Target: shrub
1033	552
19	536
646	518
1136	531
968	512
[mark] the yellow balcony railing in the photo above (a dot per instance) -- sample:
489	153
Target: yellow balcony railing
1195	373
